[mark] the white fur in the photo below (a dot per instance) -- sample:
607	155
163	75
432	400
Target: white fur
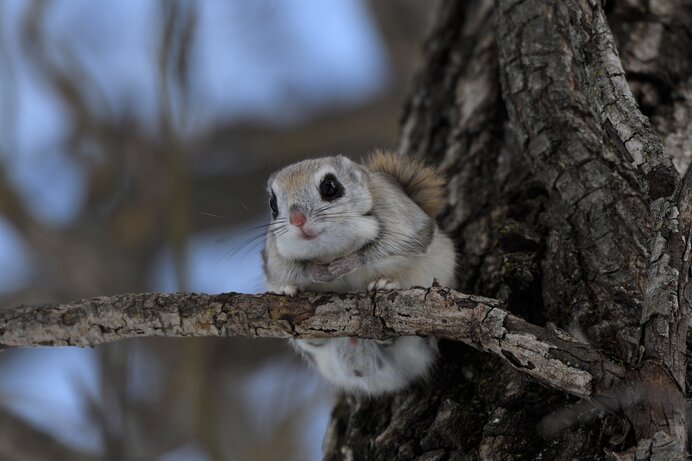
383	284
298	185
369	367
408	358
334	238
357	365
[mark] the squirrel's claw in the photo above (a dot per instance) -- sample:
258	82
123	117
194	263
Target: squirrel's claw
383	285
285	290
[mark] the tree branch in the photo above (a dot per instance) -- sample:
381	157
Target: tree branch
548	354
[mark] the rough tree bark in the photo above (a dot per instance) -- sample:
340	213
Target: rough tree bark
562	200
569	214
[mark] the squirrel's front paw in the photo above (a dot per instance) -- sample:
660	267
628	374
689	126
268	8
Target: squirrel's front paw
344	265
320	273
383	284
285	290
323	273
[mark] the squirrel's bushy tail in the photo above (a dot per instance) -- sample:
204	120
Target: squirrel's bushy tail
420	182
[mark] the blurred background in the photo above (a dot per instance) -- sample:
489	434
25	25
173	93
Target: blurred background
136	137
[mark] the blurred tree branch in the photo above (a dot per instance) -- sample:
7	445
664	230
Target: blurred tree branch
20	441
144	191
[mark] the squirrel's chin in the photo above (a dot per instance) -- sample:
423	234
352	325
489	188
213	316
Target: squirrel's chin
308	236
315	249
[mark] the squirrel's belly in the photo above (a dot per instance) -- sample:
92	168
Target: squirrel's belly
368	366
437	263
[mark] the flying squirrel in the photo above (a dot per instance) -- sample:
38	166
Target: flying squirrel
340	226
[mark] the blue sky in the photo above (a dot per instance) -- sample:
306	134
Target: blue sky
275	60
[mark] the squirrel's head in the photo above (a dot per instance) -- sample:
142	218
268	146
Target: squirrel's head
321	208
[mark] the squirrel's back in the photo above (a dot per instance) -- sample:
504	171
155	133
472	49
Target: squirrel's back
420	182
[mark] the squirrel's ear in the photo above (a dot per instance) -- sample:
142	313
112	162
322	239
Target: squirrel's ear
270	181
342	160
355	170
358	173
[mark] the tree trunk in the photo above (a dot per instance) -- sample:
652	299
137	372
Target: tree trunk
563	200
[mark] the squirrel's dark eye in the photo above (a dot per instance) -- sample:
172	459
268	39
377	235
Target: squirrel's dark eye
330	188
273	205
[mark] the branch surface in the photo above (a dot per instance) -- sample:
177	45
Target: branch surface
548	354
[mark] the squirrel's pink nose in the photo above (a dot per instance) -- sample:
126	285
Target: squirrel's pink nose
297	219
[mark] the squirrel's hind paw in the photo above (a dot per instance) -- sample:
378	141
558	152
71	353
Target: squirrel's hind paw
383	285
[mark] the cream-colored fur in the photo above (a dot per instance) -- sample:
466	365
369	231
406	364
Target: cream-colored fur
383	239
